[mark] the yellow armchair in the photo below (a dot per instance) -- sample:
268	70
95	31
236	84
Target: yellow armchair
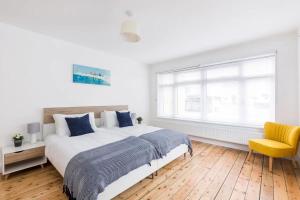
279	141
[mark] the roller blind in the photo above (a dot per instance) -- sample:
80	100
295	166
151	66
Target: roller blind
238	92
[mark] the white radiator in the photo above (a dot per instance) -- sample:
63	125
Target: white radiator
226	133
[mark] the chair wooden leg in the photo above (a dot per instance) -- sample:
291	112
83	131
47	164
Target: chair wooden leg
270	164
249	154
294	161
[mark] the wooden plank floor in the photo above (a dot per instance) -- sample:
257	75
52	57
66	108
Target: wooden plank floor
213	172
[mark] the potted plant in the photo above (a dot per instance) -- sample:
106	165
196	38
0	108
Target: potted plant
139	119
18	138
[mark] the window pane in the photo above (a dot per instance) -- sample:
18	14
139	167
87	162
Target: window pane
259	101
165	101
223	101
259	67
222	72
191	75
189	101
165	79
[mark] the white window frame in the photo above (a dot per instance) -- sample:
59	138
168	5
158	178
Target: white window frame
212	65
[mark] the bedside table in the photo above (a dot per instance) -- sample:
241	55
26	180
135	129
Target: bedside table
18	158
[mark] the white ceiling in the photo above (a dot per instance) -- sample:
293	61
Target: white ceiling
169	28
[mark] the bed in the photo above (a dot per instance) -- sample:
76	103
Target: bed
68	147
138	130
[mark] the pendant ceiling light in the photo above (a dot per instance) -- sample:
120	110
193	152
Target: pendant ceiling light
129	29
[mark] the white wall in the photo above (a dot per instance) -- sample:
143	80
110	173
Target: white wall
36	72
287	85
298	37
298	42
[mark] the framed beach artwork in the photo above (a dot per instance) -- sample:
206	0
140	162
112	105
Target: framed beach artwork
90	75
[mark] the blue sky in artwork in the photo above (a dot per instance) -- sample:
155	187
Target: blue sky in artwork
88	70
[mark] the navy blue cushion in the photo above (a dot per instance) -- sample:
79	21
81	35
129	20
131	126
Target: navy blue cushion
79	125
124	119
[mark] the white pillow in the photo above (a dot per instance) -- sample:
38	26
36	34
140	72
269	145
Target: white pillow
110	119
61	125
100	122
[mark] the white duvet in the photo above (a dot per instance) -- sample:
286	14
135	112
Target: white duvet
132	130
61	149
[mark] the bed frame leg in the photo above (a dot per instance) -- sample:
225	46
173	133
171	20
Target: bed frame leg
151	176
156	173
184	155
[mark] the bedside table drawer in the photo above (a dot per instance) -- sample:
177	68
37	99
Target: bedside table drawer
24	155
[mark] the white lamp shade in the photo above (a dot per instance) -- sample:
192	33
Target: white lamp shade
129	31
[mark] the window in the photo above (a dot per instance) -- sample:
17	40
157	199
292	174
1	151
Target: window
238	92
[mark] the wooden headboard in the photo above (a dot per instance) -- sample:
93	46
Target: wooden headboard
49	112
